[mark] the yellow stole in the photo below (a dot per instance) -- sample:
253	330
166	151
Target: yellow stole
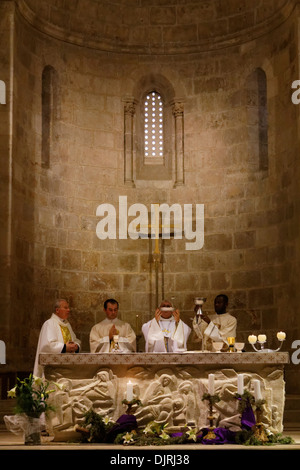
66	334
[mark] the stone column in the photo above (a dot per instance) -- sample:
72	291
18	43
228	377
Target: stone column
129	112
177	110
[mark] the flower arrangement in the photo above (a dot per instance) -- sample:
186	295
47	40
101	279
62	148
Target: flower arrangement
96	428
32	395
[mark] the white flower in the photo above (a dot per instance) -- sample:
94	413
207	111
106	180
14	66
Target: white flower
107	420
164	435
127	438
192	434
12	393
59	386
37	381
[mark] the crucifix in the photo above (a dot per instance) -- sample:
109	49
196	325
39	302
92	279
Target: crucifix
157	256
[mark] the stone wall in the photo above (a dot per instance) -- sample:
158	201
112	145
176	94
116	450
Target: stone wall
251	210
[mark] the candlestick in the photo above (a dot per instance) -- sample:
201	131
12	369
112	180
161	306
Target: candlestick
240	385
262	339
129	394
211	384
212	399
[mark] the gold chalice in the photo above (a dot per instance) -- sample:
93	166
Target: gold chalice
231	341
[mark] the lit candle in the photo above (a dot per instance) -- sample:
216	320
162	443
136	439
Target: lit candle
129	395
281	335
252	339
211	384
240	385
262	338
257	392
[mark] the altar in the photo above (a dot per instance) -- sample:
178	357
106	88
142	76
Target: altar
170	387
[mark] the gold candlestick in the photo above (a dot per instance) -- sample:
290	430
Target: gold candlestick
259	429
212	399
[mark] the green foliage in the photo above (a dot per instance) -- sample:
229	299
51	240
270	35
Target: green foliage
97	427
211	398
31	395
248	438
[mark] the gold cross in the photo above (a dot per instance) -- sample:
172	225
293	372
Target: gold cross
156	227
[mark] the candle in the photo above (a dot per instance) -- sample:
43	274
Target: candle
211	384
252	339
281	335
257	392
129	395
136	324
240	385
262	338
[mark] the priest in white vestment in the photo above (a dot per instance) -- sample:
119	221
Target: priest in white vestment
56	336
215	327
112	332
166	332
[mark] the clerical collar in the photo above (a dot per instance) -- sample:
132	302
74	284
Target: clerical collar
60	319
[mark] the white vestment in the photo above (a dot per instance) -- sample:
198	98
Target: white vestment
165	336
220	328
55	332
99	336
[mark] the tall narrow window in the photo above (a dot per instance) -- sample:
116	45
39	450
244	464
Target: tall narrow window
49	112
257	119
153	129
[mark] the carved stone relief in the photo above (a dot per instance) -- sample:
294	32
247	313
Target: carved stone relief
170	395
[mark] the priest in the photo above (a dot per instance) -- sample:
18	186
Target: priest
111	333
215	327
56	335
166	332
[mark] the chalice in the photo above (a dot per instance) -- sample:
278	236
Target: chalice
231	341
199	301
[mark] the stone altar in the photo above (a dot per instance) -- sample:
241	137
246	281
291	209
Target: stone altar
169	385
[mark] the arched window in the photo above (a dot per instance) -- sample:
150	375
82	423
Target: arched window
153	128
49	112
153	132
257	119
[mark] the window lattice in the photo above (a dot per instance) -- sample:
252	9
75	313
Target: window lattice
153	128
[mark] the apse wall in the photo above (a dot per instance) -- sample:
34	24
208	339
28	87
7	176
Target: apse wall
77	125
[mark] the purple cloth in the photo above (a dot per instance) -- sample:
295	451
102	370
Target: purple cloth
125	423
248	418
223	436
